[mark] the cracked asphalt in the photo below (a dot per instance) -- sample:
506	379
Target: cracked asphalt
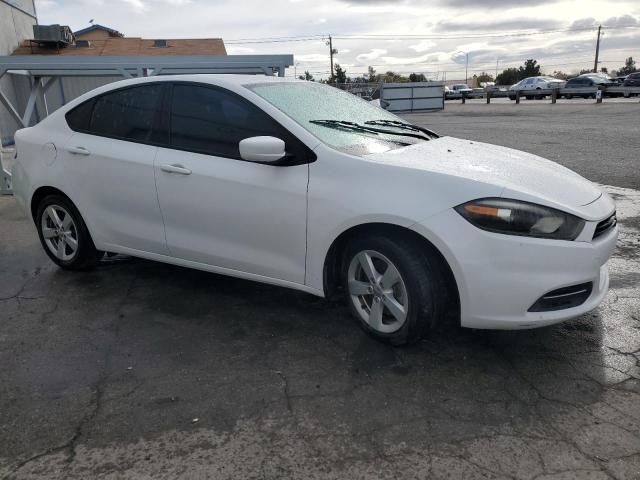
143	370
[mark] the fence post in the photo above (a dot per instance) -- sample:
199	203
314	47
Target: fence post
599	95
554	95
464	97
517	97
488	95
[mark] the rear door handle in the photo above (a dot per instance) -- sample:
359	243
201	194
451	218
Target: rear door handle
79	151
175	169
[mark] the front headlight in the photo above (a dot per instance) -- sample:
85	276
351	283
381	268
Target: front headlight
514	217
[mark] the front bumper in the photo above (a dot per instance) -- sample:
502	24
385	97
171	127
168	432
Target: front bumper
500	277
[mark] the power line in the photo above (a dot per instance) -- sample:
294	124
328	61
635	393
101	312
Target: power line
318	37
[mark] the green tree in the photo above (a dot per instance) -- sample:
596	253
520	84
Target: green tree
372	76
341	74
560	75
508	77
417	77
393	77
629	67
529	69
307	76
484	77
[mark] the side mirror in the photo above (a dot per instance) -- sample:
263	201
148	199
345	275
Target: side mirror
262	149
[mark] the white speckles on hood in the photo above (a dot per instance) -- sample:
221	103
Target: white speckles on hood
517	172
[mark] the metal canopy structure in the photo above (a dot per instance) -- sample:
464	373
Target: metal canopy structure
44	70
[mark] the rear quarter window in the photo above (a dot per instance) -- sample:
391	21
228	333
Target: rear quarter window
80	117
129	113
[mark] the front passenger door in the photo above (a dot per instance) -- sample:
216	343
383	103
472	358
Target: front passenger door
219	209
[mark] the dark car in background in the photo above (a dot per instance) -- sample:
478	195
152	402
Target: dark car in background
632	80
589	82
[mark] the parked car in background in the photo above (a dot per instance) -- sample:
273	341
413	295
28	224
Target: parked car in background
632	80
460	88
535	83
302	185
604	76
590	82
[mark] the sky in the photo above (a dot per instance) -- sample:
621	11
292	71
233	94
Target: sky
434	37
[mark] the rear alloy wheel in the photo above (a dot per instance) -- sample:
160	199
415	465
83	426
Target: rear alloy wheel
64	235
60	232
394	287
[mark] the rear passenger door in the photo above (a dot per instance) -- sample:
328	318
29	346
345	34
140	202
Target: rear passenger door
111	153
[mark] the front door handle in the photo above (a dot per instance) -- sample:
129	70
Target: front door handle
79	151
175	169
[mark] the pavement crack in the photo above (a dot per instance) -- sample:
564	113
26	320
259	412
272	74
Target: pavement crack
24	286
285	388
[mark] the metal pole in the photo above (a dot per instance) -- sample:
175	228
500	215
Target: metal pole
331	54
595	64
466	70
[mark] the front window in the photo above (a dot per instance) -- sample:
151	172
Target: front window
307	102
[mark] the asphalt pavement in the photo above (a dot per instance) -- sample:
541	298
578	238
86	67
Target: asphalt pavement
148	371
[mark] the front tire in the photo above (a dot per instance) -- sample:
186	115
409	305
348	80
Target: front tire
393	287
64	235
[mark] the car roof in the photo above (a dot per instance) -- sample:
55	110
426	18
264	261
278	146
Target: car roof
223	79
229	81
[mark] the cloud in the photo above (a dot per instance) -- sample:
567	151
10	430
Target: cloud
372	55
137	5
236	50
312	58
587	22
486	4
510	24
623	21
466	4
423	46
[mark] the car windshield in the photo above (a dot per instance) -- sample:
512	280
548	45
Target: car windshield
321	109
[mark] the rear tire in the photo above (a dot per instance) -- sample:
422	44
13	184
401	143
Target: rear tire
64	235
394	287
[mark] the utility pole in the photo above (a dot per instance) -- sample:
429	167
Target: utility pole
595	64
466	70
332	52
497	60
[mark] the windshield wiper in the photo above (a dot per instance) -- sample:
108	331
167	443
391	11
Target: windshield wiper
356	127
405	126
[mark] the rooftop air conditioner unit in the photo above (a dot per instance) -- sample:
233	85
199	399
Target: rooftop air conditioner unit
55	34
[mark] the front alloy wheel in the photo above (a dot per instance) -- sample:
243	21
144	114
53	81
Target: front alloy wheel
394	285
377	291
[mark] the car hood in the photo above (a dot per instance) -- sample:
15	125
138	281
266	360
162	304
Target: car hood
521	175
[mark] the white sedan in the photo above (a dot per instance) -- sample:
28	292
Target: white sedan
302	185
535	83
